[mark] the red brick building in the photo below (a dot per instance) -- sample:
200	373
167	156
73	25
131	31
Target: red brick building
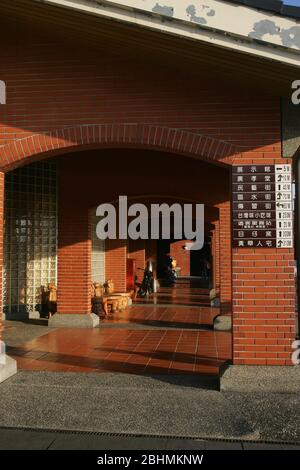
98	106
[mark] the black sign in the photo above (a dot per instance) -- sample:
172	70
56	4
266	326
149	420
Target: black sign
262	206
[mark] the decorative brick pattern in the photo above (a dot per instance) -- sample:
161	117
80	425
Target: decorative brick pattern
64	140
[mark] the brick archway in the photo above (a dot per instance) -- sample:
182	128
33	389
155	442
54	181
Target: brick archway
36	147
65	140
61	141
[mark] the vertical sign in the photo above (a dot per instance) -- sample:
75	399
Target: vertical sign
262	211
284	206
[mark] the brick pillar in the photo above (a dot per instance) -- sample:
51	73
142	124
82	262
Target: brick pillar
137	252
74	259
216	255
263	306
115	263
183	257
225	256
1	245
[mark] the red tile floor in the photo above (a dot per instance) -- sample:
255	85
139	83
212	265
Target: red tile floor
182	294
152	340
165	316
131	351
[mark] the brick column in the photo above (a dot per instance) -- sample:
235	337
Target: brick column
115	263
183	257
263	306
1	245
74	261
225	257
216	255
137	251
74	267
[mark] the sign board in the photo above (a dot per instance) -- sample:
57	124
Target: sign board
262	206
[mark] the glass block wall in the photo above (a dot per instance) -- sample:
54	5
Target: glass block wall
98	251
30	237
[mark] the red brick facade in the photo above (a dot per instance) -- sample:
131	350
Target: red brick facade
66	99
115	263
225	256
1	241
216	256
74	255
183	257
137	251
263	306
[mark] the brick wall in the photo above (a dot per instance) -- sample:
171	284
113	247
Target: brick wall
225	257
63	86
216	255
263	295
183	257
263	306
112	99
74	258
115	263
136	251
1	241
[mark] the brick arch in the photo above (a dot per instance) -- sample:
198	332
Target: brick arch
37	146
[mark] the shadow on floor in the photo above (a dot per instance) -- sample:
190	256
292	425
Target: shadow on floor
156	324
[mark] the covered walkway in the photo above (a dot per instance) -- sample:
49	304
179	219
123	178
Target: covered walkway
144	339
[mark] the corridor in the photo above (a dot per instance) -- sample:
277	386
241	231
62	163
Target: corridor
162	338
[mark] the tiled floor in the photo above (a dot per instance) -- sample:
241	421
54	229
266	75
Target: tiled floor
184	293
155	340
164	317
130	351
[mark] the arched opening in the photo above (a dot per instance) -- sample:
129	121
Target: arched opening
63	191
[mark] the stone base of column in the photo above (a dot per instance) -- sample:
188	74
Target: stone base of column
280	379
223	323
84	320
8	367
